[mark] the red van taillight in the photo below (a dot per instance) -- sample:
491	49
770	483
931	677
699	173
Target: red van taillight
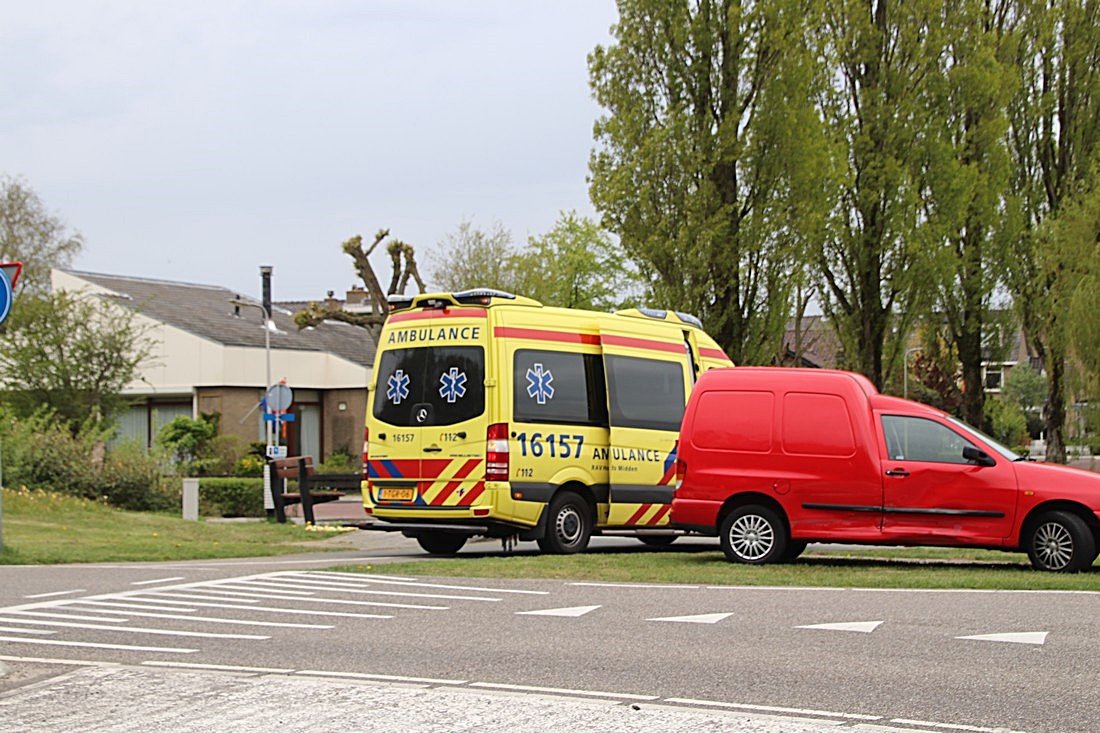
366	450
681	471
496	452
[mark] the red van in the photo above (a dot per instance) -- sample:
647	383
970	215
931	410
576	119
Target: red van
772	458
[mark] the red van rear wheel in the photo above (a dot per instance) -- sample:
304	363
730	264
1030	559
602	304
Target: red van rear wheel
753	534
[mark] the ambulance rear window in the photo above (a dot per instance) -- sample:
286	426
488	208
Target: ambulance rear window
437	385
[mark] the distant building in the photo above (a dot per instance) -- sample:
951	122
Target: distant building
210	358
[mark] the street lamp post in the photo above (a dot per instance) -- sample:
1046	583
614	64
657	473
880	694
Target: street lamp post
269	426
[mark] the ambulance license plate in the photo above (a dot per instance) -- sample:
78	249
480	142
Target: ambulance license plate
396	494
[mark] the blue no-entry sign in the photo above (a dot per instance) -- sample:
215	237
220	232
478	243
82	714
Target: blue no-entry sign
9	275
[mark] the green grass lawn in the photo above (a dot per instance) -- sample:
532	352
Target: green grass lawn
41	528
870	568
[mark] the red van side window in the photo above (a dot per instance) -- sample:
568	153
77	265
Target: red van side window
734	421
817	425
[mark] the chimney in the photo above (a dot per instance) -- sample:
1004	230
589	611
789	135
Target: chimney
356	295
265	279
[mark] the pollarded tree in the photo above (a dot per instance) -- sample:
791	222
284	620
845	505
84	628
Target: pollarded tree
31	234
709	163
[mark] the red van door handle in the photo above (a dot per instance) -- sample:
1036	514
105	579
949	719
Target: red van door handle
897	472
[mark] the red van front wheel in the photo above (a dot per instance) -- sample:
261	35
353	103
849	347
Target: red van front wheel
753	534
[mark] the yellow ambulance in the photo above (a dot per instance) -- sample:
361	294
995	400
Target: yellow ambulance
492	415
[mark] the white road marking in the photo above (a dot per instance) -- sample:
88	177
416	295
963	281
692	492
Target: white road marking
300	584
257	588
865	627
50	660
561	691
358	576
273	609
952	726
383	677
216	620
33	632
56	593
136	629
91	645
636	585
72	616
135	606
157	580
217	667
410	581
343	602
186	594
702	618
1024	637
773	709
572	612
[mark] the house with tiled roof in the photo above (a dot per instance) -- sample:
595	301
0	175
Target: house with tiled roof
211	357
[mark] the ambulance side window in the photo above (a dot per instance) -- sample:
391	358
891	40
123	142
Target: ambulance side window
645	393
558	387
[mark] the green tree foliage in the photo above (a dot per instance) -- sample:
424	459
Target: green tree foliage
473	258
188	440
1025	387
1006	422
965	178
1055	144
709	165
32	235
72	354
874	260
575	265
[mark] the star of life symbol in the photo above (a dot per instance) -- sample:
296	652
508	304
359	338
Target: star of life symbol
397	387
538	384
453	385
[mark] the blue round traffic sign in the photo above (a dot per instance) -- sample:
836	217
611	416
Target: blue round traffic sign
5	295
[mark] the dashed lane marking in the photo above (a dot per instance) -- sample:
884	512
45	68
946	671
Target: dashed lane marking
701	618
56	593
1026	637
132	629
572	612
864	627
157	580
95	645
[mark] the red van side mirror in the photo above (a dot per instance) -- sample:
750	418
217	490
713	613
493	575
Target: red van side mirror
979	457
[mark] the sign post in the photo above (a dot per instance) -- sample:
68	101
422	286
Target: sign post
9	276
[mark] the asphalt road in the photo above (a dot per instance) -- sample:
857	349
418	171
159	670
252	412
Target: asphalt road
841	658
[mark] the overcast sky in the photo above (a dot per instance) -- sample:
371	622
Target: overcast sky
195	141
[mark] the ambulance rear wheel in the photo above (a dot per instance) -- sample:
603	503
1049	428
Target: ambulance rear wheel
568	525
754	534
441	543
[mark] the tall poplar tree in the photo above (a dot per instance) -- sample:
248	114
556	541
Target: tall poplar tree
708	164
1055	143
965	178
873	261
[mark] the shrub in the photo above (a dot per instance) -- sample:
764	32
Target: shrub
1006	420
130	479
232	497
338	462
249	464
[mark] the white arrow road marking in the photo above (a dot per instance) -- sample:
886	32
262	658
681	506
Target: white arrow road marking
1023	637
572	612
865	627
703	618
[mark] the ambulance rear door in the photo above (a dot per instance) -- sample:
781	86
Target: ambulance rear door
429	409
648	379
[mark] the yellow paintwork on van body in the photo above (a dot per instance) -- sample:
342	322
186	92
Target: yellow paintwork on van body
545	376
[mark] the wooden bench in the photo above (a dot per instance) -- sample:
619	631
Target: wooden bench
309	486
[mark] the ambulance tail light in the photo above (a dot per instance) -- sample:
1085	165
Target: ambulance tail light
496	452
366	450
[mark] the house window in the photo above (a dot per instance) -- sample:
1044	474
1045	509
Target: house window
994	377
